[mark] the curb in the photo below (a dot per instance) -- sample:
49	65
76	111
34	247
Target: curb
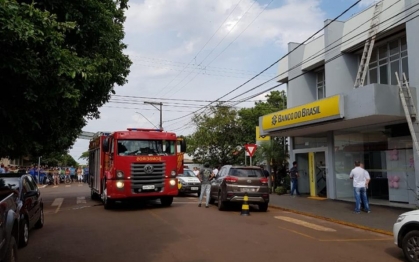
375	230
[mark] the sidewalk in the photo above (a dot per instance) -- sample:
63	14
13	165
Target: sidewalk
380	220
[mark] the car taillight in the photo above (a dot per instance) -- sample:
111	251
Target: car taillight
231	179
264	180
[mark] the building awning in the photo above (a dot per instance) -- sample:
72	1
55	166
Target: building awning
370	105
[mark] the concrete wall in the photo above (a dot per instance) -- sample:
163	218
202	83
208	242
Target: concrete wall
300	90
313	53
341	68
413	54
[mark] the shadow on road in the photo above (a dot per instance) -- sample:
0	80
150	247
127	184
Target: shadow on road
396	253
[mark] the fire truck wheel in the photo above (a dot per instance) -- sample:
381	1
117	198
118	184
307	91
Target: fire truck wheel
93	195
166	201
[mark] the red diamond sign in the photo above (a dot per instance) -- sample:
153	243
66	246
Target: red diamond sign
250	148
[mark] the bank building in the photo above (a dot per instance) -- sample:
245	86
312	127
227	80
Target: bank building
352	95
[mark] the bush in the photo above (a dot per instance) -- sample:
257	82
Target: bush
280	190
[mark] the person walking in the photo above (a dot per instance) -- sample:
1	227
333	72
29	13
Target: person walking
360	178
205	176
56	177
294	179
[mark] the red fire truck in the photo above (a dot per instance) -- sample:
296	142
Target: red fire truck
135	164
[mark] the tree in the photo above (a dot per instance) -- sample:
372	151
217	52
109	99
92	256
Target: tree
85	156
249	117
59	61
216	137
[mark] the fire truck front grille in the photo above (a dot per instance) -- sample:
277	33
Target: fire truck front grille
147	177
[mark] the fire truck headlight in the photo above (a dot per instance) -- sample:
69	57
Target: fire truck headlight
119	184
172	182
119	174
173	173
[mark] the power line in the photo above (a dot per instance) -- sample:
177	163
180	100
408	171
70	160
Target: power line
271	88
345	11
169	99
219	42
227	45
202	48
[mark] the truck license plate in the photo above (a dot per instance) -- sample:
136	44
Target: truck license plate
194	188
148	187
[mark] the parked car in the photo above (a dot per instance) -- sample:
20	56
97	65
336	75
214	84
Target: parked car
9	223
30	207
232	182
406	234
188	183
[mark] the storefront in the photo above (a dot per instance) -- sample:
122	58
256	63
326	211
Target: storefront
328	135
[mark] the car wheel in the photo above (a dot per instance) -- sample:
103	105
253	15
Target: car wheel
11	252
40	222
166	201
410	246
220	204
263	207
24	233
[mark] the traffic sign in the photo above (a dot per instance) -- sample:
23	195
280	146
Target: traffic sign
250	148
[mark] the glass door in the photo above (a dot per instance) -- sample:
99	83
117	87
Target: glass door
303	169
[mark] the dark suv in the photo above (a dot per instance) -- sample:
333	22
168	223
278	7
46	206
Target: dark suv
232	182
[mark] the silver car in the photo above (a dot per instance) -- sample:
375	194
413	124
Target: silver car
232	182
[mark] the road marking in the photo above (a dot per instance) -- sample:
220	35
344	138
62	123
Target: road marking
57	202
355	239
44	186
81	200
54	186
298	233
68	186
305	224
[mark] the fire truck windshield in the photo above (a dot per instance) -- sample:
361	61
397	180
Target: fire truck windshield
135	147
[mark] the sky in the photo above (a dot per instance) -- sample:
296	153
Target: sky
187	53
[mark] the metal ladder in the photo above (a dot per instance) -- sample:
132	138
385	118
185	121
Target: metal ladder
409	109
369	45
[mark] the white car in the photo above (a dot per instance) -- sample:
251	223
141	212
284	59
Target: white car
188	183
406	234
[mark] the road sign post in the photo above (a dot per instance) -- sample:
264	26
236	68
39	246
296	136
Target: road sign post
250	148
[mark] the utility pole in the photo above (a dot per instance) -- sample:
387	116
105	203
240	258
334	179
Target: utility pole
160	109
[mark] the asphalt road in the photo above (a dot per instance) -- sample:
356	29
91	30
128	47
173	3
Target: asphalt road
79	229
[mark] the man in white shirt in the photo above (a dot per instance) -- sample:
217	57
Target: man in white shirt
361	178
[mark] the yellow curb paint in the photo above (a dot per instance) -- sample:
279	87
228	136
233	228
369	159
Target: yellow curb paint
298	233
305	224
355	240
334	221
317	198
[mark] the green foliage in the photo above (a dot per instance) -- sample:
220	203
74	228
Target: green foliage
85	156
280	190
216	137
56	159
59	61
220	134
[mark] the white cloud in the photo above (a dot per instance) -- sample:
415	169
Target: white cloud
163	36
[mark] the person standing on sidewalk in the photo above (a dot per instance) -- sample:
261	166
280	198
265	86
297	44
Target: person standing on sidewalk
294	179
361	178
205	176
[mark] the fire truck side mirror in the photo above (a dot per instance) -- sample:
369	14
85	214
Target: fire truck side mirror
183	146
105	145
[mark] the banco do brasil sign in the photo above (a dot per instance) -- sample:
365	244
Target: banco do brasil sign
314	112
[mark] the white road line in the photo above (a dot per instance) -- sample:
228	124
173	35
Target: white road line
68	186
81	200
305	224
57	202
55	186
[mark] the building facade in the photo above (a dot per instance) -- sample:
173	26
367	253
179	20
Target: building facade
330	123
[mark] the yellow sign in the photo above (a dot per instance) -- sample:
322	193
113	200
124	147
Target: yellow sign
314	112
148	158
259	137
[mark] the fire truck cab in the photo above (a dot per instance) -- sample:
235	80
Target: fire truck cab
135	164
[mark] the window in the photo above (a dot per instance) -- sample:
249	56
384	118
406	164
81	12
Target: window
146	147
387	59
320	85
